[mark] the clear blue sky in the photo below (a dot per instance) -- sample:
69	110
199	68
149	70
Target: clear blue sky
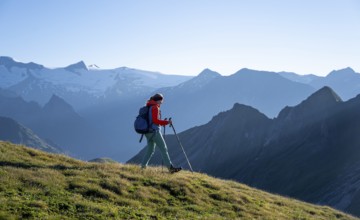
185	36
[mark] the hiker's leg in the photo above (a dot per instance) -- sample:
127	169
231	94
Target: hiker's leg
160	142
150	149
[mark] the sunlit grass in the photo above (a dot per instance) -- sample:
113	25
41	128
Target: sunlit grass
38	185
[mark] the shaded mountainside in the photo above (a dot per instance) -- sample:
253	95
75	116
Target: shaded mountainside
38	185
12	131
310	151
57	122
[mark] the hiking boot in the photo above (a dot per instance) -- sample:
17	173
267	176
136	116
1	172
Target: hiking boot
174	169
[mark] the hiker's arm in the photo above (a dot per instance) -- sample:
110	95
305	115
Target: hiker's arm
155	117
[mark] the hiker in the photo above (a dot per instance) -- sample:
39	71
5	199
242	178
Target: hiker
155	137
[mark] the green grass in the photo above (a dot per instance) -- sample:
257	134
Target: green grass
102	160
38	185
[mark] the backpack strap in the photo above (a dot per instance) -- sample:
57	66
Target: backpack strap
150	117
149	122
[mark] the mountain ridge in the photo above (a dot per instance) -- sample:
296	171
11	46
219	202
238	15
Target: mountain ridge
11	130
79	85
9	62
346	82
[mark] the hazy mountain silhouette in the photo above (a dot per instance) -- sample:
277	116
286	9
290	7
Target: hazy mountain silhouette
306	79
193	105
17	108
59	122
310	151
12	131
9	63
56	122
346	82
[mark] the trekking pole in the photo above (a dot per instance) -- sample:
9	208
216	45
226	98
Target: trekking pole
162	160
177	137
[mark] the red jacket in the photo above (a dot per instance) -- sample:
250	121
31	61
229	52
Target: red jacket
156	114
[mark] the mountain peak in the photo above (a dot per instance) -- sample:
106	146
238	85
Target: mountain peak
246	71
207	73
239	112
57	104
346	71
204	78
77	66
325	94
6	60
323	99
55	99
253	73
247	110
9	62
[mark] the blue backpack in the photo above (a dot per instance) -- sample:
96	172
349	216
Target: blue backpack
142	122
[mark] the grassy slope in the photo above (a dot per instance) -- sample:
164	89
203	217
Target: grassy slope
34	184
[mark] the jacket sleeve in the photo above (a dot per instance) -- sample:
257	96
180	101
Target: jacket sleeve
155	117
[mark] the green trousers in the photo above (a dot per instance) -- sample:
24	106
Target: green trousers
153	140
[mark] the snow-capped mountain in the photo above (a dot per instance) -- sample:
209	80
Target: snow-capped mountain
78	84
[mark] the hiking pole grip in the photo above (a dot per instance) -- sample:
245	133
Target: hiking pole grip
171	122
164	127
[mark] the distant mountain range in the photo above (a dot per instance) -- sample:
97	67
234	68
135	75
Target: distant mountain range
310	151
346	82
78	84
107	101
12	131
197	100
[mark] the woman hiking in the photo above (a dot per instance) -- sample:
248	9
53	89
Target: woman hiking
155	137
